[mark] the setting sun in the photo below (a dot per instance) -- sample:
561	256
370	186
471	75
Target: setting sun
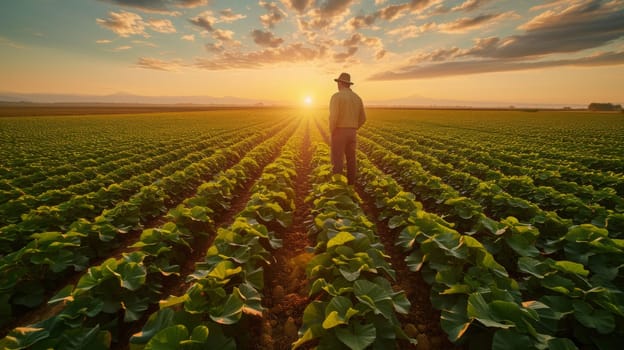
307	100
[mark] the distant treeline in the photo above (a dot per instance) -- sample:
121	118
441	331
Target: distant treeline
594	106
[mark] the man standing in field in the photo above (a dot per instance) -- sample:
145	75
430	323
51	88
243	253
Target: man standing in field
346	115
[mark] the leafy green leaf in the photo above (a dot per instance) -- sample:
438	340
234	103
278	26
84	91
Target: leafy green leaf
338	312
508	339
93	338
134	307
132	275
225	270
313	317
375	296
340	239
571	267
156	322
396	221
454	320
24	337
231	312
561	344
357	336
252	298
478	308
168	338
522	245
200	333
173	300
601	320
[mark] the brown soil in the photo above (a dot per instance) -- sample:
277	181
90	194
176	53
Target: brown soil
423	321
178	285
286	284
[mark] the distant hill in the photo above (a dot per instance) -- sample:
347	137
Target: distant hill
420	101
126	98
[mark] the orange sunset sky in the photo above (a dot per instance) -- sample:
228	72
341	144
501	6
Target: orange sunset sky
564	52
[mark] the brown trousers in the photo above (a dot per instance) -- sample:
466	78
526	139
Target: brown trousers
343	145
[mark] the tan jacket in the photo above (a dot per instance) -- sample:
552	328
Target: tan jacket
346	110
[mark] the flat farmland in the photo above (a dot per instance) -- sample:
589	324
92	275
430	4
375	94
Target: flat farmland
225	228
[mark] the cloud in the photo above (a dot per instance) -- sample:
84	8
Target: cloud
103	41
297	5
439	55
223	35
190	3
465	24
553	3
390	13
205	20
343	56
358	40
189	37
274	15
215	47
574	28
583	25
161	25
491	65
359	22
162	6
263	38
461	25
330	8
412	31
144	43
122	48
470	5
324	15
124	24
229	16
156	64
293	53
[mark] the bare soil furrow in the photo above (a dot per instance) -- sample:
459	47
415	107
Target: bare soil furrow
286	285
177	285
423	321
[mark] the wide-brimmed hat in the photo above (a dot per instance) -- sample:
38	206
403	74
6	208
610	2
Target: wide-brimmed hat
344	78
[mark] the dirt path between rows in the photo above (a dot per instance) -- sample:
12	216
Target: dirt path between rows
286	284
423	321
177	285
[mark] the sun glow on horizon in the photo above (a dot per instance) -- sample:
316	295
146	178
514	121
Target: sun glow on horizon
308	100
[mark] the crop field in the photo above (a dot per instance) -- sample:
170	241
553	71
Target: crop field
226	229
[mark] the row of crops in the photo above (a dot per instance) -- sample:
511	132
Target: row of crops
117	292
164	239
514	260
